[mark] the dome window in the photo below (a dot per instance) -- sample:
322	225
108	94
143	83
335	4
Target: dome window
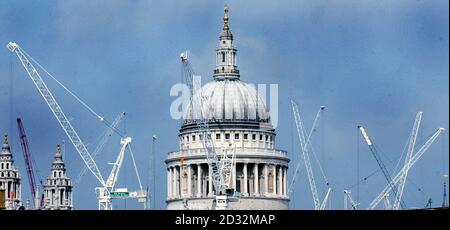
193	137
236	136
253	136
245	136
223	57
217	136
227	136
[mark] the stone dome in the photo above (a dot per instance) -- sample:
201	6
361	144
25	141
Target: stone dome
228	100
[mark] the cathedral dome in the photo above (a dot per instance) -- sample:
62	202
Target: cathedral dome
229	100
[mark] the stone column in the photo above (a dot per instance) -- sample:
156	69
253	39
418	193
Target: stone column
274	181
172	182
189	181
245	189
210	185
199	180
177	184
168	183
256	179
233	177
266	180
285	181
280	181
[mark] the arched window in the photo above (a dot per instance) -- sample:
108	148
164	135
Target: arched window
2	166
223	56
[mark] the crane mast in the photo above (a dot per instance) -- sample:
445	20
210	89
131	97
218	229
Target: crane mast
112	179
219	183
398	176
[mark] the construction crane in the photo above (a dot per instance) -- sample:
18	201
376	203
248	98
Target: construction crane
444	196
304	149
201	109
377	157
29	164
109	131
405	167
299	164
348	198
105	192
409	154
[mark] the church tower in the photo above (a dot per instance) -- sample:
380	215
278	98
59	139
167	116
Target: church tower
9	179
58	186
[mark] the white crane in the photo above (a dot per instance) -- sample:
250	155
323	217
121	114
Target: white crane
201	109
348	198
102	143
304	149
377	157
406	167
409	154
103	192
299	164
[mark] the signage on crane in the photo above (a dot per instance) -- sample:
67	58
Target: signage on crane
120	194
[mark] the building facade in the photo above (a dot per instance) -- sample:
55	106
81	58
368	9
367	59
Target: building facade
10	179
238	118
58	186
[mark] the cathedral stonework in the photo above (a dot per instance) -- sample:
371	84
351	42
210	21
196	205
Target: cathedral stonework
58	186
9	178
238	118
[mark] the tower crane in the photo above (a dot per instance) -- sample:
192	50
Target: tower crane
29	164
304	149
109	131
406	167
377	157
104	192
409	154
201	107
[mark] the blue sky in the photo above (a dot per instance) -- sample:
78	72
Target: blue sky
374	63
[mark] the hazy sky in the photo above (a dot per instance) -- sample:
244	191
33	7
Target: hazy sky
375	63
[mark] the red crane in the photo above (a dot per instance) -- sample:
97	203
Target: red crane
28	161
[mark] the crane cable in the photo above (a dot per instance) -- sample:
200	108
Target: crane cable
135	167
102	119
315	156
